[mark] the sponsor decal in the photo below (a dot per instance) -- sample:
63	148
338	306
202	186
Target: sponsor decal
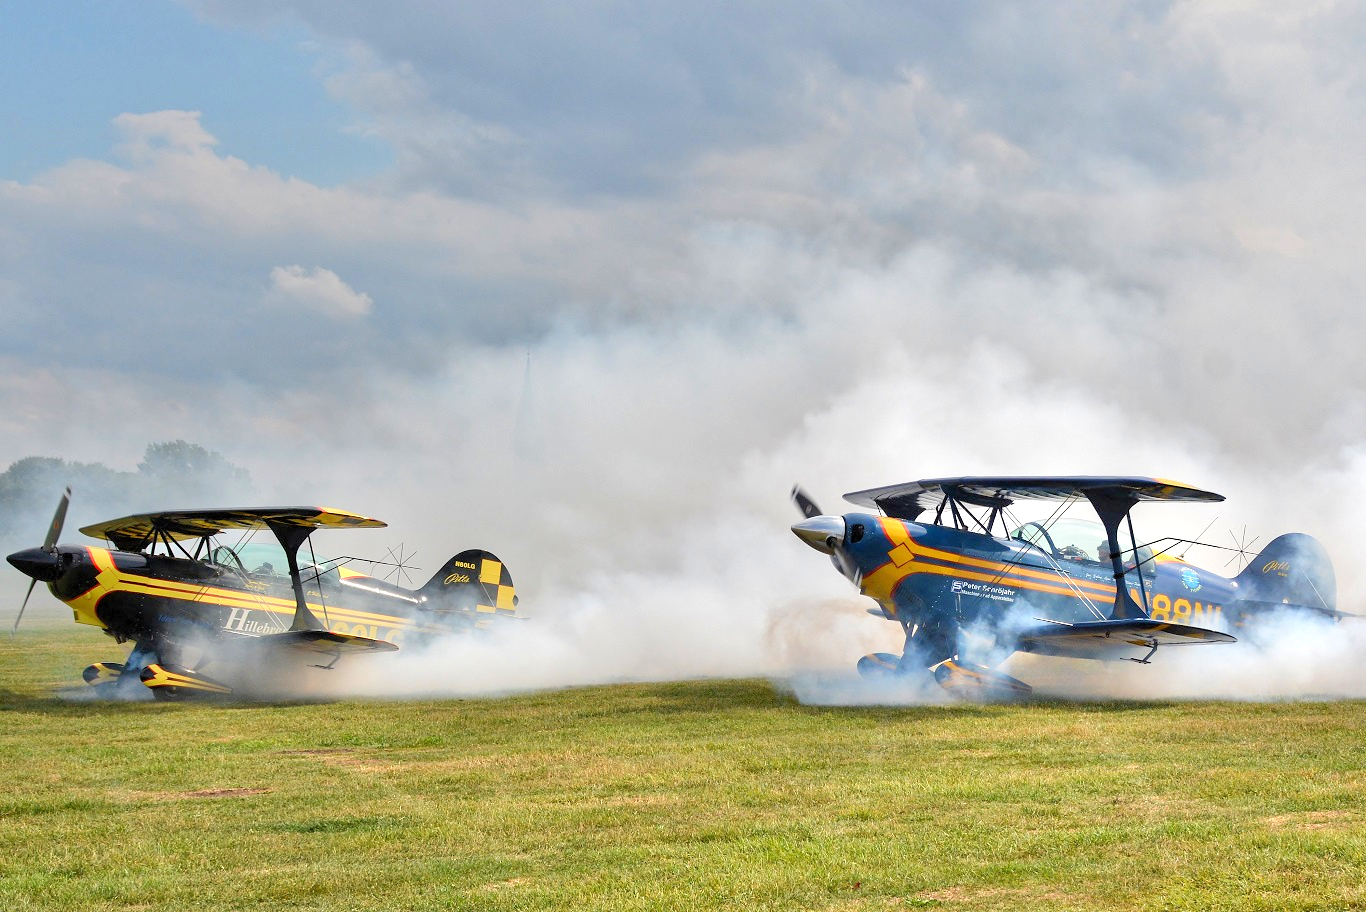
1190	579
982	591
1280	568
244	620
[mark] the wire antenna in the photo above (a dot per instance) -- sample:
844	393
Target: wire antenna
1183	554
1242	549
399	561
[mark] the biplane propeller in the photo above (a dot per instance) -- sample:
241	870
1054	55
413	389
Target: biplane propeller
188	602
970	585
42	563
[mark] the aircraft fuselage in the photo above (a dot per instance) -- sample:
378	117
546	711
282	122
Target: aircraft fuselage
926	574
149	597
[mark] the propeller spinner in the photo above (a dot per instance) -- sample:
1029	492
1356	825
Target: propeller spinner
824	533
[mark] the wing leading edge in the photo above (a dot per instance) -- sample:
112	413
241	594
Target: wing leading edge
133	533
909	499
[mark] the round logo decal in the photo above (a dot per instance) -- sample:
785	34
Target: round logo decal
1190	579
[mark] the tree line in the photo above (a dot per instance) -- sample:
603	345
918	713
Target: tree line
172	475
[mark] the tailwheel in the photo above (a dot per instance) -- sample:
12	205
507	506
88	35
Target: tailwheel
169	695
978	682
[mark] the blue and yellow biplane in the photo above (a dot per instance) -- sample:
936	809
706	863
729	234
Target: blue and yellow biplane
210	615
971	585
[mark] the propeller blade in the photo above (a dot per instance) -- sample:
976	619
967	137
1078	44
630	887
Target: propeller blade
58	520
15	629
804	502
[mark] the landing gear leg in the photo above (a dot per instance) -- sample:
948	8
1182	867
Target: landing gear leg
1146	658
129	682
336	656
915	661
928	645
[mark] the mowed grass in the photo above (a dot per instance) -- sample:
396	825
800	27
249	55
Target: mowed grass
696	795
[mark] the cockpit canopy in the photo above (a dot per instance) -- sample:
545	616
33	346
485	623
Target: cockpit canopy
1081	540
258	558
265	559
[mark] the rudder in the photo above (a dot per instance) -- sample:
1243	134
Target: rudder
473	580
1293	570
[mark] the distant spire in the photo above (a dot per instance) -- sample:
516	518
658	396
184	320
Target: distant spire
526	437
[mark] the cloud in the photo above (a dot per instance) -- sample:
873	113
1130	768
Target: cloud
612	98
320	289
173	130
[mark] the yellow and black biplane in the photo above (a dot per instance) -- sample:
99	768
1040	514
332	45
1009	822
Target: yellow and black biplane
203	613
970	584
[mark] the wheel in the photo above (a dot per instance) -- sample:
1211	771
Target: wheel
879	665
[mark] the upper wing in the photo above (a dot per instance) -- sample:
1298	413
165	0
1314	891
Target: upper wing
1116	639
133	533
910	499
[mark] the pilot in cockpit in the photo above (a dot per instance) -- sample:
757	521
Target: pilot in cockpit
1103	555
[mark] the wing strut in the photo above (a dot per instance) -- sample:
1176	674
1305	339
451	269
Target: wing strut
1113	506
1138	568
290	538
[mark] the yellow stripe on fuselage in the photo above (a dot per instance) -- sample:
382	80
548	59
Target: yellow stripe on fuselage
110	580
897	532
883	581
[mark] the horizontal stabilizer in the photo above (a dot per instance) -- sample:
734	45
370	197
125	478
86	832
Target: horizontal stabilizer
1114	639
1251	605
174	681
325	641
973	681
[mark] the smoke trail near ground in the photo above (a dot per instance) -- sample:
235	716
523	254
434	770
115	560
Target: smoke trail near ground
840	250
1287	656
635	562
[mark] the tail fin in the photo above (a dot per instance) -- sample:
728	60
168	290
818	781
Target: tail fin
471	581
1294	570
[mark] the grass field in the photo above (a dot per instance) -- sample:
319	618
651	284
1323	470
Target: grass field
696	795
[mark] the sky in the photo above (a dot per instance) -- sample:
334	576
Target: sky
742	244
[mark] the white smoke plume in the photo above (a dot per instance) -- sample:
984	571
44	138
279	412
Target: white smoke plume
1290	656
845	250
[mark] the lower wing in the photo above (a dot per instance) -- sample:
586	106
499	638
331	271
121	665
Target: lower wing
1116	639
323	641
